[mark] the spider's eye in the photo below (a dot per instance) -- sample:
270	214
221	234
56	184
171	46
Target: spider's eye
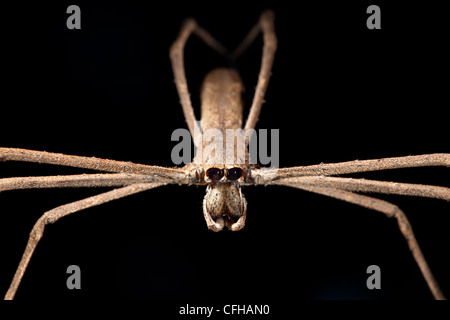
215	174
234	173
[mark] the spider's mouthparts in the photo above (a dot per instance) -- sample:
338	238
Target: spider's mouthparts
226	221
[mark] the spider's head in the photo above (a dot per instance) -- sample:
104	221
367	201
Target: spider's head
224	204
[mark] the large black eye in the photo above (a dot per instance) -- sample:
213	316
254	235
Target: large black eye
234	173
215	174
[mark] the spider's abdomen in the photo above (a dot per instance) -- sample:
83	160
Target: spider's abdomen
222	109
221	98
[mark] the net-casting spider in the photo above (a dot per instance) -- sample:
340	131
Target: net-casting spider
224	204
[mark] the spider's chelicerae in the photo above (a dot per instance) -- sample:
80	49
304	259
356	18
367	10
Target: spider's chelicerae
224	205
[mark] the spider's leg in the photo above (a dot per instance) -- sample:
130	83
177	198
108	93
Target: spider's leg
329	169
62	211
76	181
266	25
24	155
176	56
364	185
390	210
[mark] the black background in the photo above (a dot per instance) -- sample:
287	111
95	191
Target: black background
339	92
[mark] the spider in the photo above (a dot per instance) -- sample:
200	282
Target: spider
224	205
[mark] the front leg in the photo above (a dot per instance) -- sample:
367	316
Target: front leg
264	176
364	185
25	155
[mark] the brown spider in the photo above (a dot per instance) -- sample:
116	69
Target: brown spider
224	204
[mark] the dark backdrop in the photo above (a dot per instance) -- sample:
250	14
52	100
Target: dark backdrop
339	92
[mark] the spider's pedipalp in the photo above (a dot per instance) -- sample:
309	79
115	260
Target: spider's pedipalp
224	204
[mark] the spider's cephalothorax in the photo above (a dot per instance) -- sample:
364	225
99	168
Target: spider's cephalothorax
224	204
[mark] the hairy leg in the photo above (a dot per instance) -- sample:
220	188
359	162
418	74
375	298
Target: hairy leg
364	185
266	25
330	169
176	56
77	181
389	210
62	211
24	155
